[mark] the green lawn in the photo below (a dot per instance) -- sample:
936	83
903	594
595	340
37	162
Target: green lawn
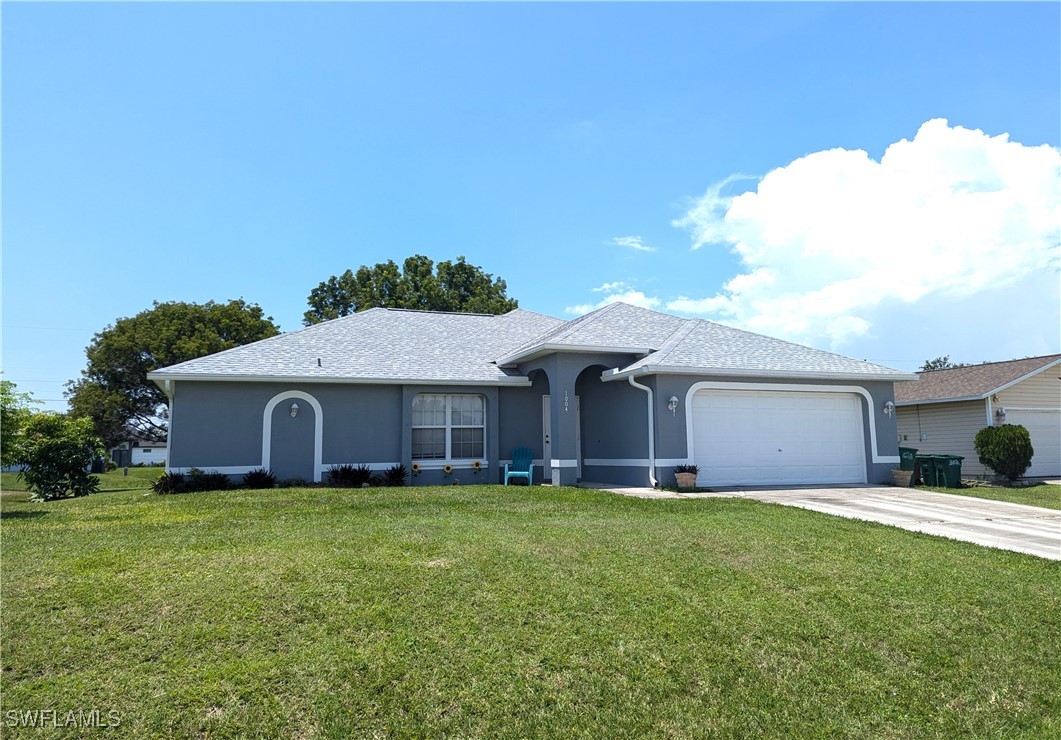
138	478
484	611
1047	496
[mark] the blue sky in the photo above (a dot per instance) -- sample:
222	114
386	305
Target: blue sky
582	152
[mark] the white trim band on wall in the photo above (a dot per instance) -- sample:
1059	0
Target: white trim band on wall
318	429
797	387
554	463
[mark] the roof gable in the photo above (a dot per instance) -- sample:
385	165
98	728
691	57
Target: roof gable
971	381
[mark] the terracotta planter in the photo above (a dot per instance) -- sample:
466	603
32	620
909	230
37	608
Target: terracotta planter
686	480
902	477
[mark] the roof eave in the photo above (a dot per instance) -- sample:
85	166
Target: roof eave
233	377
618	374
541	350
922	401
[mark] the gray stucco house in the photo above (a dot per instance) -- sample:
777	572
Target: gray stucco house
620	395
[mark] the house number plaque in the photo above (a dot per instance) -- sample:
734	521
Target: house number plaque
567	402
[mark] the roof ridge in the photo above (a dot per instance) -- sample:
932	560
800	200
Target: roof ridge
589	318
674	340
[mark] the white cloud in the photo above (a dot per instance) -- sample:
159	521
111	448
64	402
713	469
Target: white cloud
618	291
829	238
632	242
615	287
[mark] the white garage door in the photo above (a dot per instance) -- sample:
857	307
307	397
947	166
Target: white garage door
1045	430
775	437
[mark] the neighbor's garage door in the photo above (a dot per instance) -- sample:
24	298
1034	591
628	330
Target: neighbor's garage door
776	437
1045	430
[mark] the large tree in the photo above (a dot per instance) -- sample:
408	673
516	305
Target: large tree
419	284
114	391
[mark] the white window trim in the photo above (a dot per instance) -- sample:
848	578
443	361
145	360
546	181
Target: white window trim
433	462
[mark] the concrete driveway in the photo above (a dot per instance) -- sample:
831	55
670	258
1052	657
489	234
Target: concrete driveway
1027	529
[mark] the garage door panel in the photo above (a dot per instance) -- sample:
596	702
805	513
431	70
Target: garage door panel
777	437
1044	427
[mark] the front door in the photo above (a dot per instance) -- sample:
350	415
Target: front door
547	429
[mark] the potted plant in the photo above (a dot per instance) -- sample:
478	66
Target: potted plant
686	475
902	478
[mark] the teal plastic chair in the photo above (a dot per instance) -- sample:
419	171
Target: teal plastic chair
522	465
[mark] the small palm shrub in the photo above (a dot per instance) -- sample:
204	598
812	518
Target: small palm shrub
169	483
349	476
695	470
395	475
260	478
200	480
376	481
1006	449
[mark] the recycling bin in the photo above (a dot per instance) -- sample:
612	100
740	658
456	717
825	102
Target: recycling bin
907	455
949	470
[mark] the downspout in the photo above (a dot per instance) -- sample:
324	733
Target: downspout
651	433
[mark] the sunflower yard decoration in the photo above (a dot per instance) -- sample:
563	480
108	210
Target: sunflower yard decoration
416	469
447	469
476	467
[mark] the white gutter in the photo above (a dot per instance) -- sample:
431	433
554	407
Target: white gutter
651	433
157	377
750	373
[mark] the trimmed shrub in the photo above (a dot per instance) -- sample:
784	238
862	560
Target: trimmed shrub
169	483
1006	449
56	454
349	476
260	478
395	475
377	481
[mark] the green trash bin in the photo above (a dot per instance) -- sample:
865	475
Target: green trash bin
949	470
907	455
925	465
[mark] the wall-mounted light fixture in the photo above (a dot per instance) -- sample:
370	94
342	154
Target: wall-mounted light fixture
294	410
889	408
994	398
672	404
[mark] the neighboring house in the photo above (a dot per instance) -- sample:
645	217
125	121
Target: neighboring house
621	395
138	451
942	411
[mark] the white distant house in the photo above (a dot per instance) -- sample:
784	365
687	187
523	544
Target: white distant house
138	451
941	412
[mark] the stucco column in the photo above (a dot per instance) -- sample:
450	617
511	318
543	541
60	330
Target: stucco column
563	422
492	444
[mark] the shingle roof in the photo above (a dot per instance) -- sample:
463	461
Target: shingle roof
390	345
704	346
394	346
617	325
972	381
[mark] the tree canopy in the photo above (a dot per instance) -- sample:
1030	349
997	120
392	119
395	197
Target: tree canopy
940	363
114	391
418	284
